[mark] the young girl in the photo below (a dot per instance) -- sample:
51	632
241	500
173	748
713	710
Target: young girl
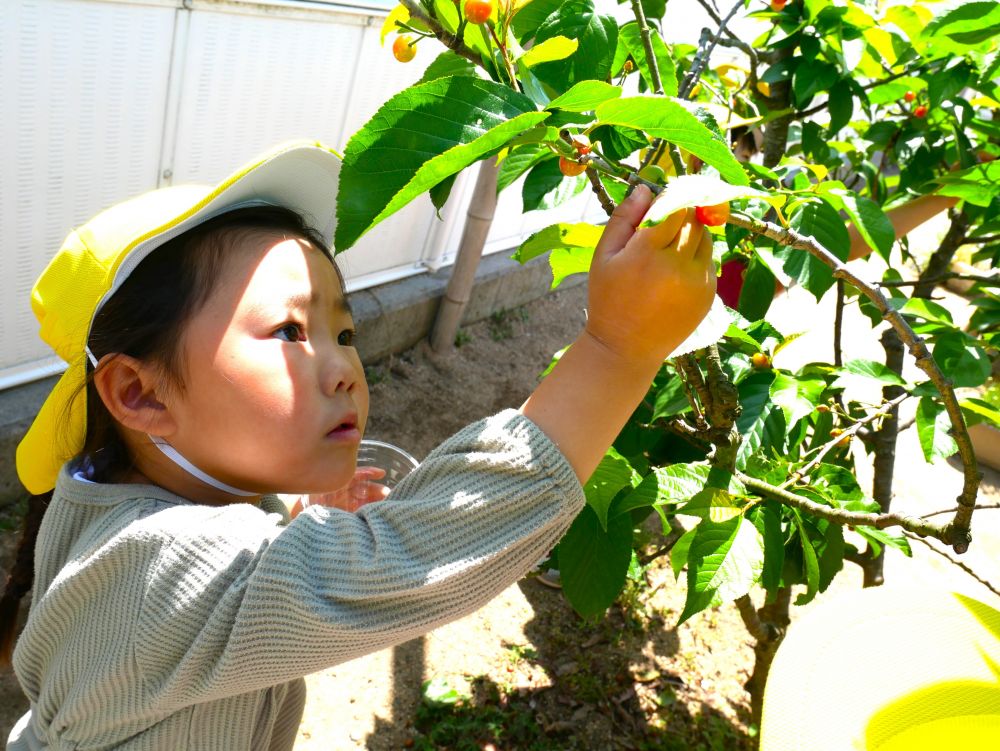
211	365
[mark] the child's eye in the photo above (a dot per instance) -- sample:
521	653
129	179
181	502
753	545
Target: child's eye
346	338
291	332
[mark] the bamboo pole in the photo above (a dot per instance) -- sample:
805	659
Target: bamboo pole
477	226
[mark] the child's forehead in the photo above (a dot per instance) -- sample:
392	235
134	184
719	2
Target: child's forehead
283	266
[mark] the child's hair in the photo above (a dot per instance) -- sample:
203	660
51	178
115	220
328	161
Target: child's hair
144	319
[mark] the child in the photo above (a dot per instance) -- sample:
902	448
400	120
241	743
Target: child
211	365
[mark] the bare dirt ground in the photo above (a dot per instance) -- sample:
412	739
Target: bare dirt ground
531	673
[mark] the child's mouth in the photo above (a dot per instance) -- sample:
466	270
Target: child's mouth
346	430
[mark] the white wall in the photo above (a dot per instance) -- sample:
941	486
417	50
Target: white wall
105	99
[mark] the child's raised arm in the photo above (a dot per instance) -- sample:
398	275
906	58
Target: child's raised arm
648	290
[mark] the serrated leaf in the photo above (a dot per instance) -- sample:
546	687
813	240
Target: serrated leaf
546	186
796	397
670	400
961	357
884	537
448	64
821	222
933	429
699	190
580	235
871	222
611	475
417	139
809	560
712	328
766	517
724	561
969	24
593	563
552	49
671	121
714	504
928	311
585	96
519	161
597	35
867	370
566	262
679	552
981	411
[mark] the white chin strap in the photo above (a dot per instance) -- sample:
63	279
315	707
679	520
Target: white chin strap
174	455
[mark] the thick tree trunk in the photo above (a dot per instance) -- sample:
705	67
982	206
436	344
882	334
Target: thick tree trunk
772	620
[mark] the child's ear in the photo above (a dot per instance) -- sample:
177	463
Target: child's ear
128	387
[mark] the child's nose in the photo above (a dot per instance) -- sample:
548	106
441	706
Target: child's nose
338	371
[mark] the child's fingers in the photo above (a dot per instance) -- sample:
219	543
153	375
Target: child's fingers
663	234
625	218
703	252
689	237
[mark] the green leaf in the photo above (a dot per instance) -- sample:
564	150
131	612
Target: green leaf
796	397
519	161
630	44
597	35
977	185
809	560
529	18
438	692
670	120
448	64
699	190
869	219
671	400
555	48
618	143
962	359
714	504
978	410
766	516
612	474
758	290
593	563
585	96
867	369
546	187
555	236
724	561
418	138
884	537
968	24
440	192
841	106
565	262
711	329
680	551
821	222
928	311
812	77
933	428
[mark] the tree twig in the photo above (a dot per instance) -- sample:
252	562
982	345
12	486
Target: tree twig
988	279
826	448
958	532
704	53
600	191
960	565
451	41
979	506
757	628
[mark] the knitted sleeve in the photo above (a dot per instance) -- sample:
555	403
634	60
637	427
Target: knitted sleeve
239	602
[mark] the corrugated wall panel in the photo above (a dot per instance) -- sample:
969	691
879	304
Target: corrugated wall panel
83	86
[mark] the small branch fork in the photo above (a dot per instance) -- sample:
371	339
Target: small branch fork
705	53
451	41
955	534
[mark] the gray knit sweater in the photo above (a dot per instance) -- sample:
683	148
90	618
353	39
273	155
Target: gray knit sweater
161	624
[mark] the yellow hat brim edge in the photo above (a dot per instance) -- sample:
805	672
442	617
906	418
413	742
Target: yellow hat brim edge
299	175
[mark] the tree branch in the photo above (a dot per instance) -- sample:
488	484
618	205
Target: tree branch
842	516
701	59
953	510
759	630
600	191
958	532
647	45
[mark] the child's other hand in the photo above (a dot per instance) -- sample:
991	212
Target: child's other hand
649	288
361	490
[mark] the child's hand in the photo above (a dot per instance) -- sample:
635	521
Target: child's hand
649	288
361	490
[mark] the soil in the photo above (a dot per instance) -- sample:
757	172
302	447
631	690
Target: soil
526	671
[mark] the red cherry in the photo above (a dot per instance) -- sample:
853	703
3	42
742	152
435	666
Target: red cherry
478	11
920	111
402	49
712	216
570	168
909	96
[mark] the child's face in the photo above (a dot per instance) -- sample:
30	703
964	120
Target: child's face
274	396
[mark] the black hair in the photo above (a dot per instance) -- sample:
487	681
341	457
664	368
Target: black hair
144	319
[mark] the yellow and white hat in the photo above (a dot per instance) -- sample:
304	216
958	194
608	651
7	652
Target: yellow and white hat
95	259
